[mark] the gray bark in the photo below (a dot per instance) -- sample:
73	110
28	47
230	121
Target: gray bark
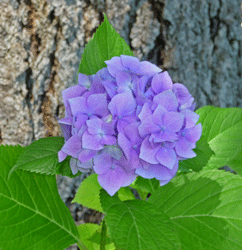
41	43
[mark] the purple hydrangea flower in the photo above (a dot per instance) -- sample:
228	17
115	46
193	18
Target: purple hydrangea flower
126	120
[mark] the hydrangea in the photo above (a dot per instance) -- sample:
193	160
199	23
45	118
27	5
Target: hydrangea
128	120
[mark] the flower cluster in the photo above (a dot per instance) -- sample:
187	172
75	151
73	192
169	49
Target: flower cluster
128	119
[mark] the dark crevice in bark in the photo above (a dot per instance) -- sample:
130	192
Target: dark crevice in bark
57	111
155	55
35	39
29	96
1	139
214	22
52	16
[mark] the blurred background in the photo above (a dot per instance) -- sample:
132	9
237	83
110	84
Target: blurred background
41	43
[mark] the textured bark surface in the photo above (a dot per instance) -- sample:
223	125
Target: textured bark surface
41	43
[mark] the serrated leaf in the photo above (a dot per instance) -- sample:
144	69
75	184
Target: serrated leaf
32	214
90	236
203	152
88	193
138	225
222	128
40	156
206	209
105	44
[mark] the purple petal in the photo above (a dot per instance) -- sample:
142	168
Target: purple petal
125	145
114	65
146	111
66	125
84	81
194	134
97	86
157	171
78	105
188	105
183	148
85	167
86	155
69	93
191	118
102	163
134	158
130	62
112	180
114	151
62	155
164	136
91	141
158	115
108	140
148	127
123	79
167	99
166	157
173	121
73	165
108	128
147	153
73	146
147	68
122	104
110	87
97	104
80	120
94	125
132	133
125	121
129	178
181	93
161	82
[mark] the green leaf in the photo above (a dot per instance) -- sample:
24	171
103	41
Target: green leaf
205	207
90	236
41	156
88	193
136	224
64	168
105	44
149	185
222	128
203	152
32	214
125	193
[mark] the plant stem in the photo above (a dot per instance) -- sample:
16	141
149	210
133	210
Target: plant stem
103	235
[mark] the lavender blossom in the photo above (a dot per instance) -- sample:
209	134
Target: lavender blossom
128	119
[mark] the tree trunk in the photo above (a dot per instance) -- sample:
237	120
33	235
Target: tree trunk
41	43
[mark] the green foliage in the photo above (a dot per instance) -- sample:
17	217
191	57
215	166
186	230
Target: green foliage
203	152
41	156
105	44
136	224
222	129
145	186
125	193
90	235
205	208
32	214
88	193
